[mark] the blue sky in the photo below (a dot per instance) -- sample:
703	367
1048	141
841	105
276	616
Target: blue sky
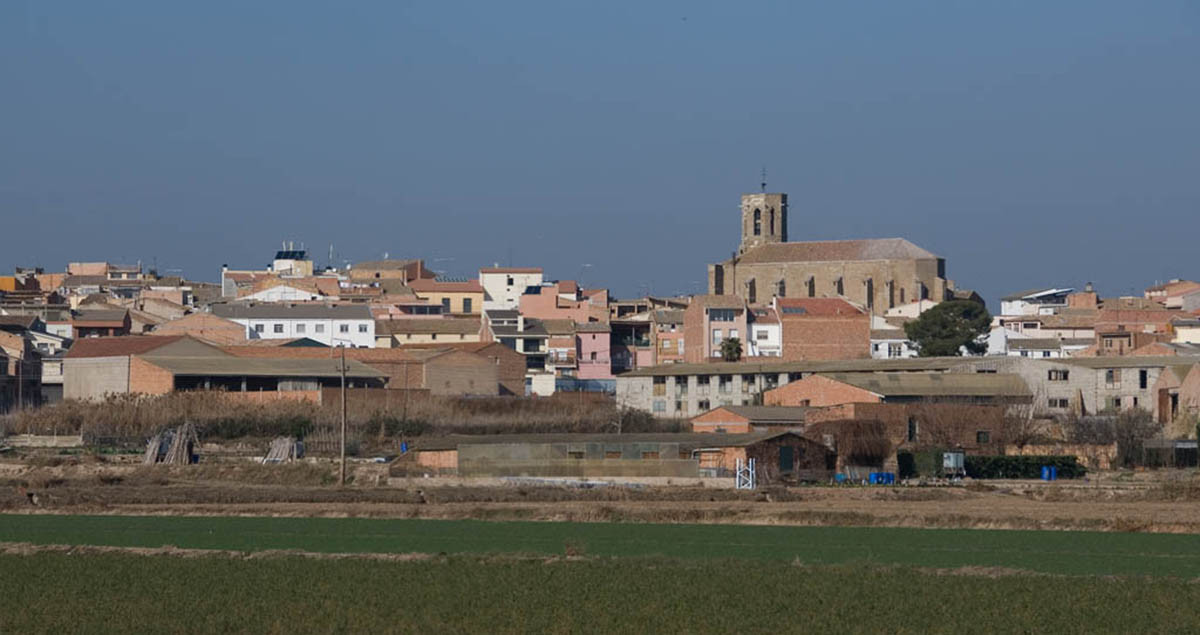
1028	143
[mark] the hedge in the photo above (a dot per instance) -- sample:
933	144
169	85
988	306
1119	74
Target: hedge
1022	466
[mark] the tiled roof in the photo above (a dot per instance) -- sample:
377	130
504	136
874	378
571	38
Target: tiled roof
837	250
812	366
935	384
592	327
719	302
232	366
816	307
888	334
119	346
559	327
385	265
768	414
427	326
114	317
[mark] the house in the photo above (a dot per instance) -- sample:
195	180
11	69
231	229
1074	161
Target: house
781	456
156	365
832	389
100	323
710	320
1046	347
462	297
666	335
292	289
766	333
504	286
402	332
528	337
20	373
1172	293
823	328
593	346
745	419
510	365
1039	301
892	344
332	325
406	271
563	300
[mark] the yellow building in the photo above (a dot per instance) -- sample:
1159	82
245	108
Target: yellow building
463	297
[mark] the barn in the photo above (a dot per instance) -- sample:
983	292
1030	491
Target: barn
779	456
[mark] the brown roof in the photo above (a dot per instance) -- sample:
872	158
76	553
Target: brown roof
888	334
559	327
816	307
385	265
837	250
935	384
592	327
119	346
205	326
100	318
449	326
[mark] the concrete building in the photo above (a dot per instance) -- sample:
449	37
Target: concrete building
766	333
747	419
205	327
504	286
666	335
877	274
835	389
406	271
100	323
334	325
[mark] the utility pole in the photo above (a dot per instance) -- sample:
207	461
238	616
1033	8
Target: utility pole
342	471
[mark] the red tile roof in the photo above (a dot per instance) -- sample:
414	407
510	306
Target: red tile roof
119	346
815	307
836	250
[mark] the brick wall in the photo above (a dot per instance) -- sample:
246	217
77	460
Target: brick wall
146	378
820	337
817	391
461	373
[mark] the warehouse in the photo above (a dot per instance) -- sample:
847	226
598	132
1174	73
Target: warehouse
780	457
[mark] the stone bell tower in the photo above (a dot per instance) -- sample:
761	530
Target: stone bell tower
764	220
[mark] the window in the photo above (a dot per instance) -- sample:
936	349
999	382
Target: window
704	405
812	287
724	383
650	456
445	305
278	328
733	334
320	328
1056	402
839	287
362	328
1030	326
681	347
300	328
666	344
575	455
1045	353
612	454
1143	380
762	334
895	350
1058	375
660	405
983	437
509	281
912	429
721	315
1112	377
702	380
747	382
467	305
678	406
258	328
717	337
752	291
757	222
593	354
781	289
343	328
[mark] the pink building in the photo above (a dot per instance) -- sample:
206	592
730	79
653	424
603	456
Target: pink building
593	345
564	300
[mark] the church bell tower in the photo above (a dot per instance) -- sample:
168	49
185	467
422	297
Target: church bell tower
764	220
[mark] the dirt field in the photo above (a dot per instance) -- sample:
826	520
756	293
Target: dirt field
1151	502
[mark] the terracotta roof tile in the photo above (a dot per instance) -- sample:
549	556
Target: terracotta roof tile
837	250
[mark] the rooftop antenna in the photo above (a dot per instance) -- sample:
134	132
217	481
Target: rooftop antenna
764	179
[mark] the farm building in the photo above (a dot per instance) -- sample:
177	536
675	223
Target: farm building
785	456
832	389
743	419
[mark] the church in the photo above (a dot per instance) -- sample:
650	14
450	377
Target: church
875	273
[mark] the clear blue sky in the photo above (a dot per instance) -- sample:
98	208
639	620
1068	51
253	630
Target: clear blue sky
1028	143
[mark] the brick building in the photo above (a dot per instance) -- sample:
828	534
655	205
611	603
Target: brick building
823	328
832	389
710	320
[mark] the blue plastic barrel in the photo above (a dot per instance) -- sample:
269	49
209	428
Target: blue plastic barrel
1054	472
889	478
873	478
1045	472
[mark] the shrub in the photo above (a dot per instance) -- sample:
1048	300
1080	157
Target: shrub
1022	466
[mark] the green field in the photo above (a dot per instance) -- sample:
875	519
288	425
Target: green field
124	593
1069	553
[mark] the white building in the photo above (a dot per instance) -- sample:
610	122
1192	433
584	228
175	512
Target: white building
331	325
1035	302
766	334
891	344
504	286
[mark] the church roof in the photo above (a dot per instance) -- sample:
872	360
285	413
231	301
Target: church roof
836	250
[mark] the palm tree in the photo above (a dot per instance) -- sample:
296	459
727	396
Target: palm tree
731	349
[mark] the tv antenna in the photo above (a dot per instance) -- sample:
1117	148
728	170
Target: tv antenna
764	179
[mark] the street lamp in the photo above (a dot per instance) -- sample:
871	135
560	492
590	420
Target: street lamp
342	369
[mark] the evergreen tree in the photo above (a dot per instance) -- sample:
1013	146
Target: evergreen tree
949	327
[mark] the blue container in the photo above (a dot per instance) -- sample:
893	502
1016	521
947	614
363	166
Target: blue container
873	478
1049	473
403	447
839	477
1054	472
889	478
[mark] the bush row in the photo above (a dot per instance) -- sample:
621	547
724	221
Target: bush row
1022	466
